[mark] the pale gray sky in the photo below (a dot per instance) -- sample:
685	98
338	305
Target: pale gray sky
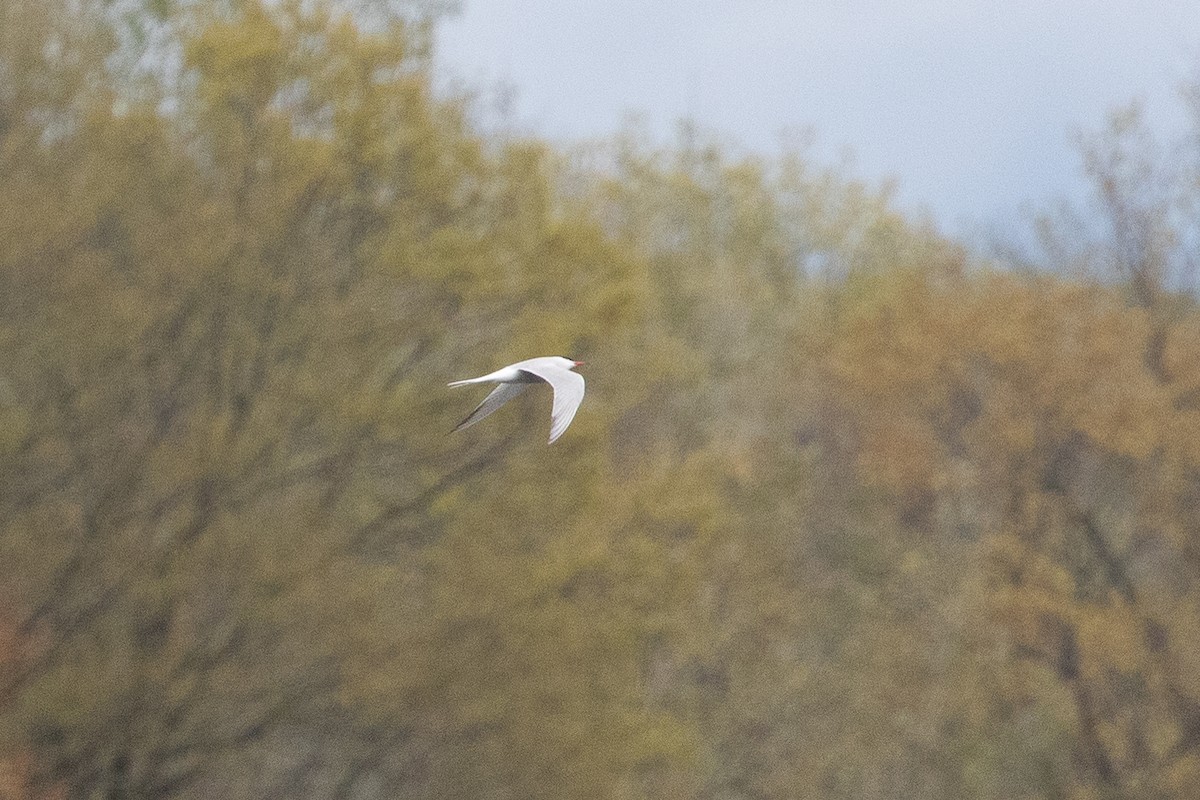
969	104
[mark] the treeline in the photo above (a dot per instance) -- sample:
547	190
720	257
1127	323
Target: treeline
844	514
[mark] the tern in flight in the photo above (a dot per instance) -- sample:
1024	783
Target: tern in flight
515	378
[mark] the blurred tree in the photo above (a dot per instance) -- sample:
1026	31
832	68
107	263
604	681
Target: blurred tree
221	324
1025	414
844	515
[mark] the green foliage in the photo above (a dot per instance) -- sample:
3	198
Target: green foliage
842	515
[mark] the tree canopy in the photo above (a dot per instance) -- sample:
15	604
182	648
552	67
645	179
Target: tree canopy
846	512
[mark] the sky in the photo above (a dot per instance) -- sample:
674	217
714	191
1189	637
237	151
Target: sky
971	106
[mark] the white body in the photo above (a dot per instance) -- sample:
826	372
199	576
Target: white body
557	371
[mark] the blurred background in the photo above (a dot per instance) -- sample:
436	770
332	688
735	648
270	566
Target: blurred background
972	108
853	508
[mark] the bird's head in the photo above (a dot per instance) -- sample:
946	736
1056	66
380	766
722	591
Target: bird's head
567	363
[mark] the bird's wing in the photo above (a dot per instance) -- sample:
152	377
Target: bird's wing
568	394
499	396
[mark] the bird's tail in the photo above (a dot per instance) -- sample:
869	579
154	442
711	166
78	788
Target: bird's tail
462	383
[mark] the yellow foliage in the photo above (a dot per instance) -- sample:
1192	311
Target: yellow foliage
842	515
1110	638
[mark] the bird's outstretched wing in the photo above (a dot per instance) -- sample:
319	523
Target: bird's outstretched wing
499	396
568	394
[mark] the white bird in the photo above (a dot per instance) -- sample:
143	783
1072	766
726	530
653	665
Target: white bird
515	378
